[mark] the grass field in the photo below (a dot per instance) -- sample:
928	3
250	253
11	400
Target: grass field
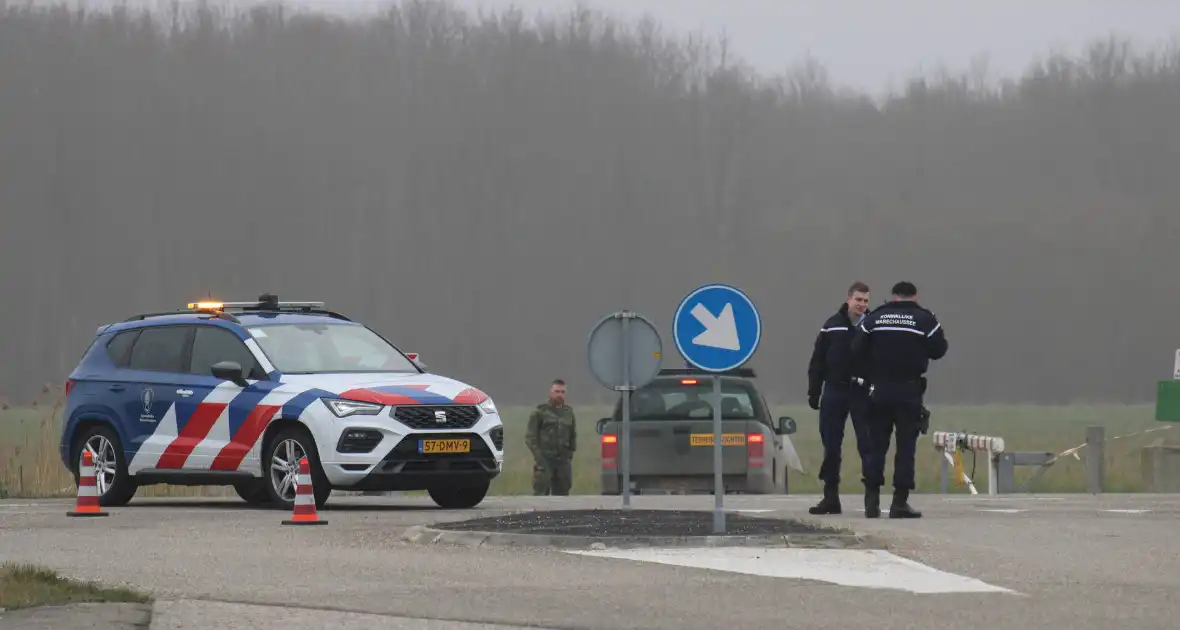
29	464
24	586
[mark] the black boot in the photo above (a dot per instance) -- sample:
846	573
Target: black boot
900	508
872	502
830	504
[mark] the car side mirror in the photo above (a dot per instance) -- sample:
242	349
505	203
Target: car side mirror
230	371
601	425
414	358
786	425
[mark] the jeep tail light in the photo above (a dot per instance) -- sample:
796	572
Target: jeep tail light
610	451
754	450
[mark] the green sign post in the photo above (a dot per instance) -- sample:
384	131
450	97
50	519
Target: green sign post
1167	396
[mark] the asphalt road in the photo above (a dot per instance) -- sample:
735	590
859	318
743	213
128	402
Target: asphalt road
1075	562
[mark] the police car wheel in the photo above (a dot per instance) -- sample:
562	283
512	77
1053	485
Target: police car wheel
115	486
281	466
459	497
253	492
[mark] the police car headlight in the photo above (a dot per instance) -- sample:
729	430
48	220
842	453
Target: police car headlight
488	407
343	408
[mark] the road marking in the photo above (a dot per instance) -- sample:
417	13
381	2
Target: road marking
1127	511
1007	498
866	568
1002	510
739	510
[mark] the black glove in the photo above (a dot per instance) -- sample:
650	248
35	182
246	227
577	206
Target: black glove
813	401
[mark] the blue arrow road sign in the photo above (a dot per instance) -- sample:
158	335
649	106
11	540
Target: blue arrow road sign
717	328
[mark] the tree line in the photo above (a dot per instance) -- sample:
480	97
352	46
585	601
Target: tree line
482	189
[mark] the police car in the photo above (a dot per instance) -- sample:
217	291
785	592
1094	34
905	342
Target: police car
672	437
236	393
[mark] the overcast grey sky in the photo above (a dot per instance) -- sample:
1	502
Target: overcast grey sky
869	44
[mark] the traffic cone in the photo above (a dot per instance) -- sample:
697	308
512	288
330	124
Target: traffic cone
305	513
87	489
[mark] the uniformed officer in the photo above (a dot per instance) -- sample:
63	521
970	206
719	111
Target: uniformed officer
832	389
552	437
895	345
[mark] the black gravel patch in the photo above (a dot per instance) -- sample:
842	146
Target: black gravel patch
611	523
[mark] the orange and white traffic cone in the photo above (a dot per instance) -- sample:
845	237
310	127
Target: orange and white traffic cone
87	489
305	513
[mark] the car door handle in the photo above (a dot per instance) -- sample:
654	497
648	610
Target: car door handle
184	392
116	388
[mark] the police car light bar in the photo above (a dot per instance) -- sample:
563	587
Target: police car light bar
263	304
283	304
206	306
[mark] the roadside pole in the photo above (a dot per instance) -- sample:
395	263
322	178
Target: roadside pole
717	328
625	352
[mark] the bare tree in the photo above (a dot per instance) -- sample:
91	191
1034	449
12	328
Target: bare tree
483	187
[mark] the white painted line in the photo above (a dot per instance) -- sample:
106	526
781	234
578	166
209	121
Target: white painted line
1007	497
1002	510
851	567
741	510
1127	511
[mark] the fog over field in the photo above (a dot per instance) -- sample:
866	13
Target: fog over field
483	188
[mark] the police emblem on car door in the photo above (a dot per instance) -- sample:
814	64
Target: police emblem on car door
147	398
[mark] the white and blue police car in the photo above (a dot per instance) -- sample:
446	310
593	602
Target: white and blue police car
236	393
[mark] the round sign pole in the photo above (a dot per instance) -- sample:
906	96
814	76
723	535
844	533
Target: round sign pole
625	351
626	410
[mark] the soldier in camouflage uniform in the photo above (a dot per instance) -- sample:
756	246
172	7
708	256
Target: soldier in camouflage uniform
552	437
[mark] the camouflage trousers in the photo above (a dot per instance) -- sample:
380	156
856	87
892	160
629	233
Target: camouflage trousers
552	476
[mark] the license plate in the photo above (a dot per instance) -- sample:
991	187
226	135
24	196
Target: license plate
727	439
429	447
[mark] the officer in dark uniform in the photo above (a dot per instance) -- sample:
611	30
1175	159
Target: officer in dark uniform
832	389
895	345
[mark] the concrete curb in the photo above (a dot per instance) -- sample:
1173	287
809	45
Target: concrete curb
423	535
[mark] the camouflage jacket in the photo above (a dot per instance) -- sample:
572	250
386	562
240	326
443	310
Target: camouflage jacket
552	432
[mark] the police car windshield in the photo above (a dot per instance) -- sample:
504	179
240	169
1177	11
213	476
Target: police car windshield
313	348
689	398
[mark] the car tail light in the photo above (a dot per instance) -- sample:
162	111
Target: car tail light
69	386
610	451
754	450
688	381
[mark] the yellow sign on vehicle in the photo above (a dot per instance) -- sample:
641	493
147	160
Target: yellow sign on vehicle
444	446
727	439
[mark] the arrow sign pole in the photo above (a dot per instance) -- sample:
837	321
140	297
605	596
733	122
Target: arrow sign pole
717	328
718	485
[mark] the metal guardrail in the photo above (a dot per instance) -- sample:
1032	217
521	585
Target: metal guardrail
1001	464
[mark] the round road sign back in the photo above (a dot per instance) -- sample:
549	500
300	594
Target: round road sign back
617	357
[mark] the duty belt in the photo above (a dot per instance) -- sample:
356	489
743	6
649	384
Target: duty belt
852	381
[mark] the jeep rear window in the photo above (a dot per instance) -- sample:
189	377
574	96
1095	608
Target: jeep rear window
689	398
314	348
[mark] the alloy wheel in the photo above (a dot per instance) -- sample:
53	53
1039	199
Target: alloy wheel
103	454
284	468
